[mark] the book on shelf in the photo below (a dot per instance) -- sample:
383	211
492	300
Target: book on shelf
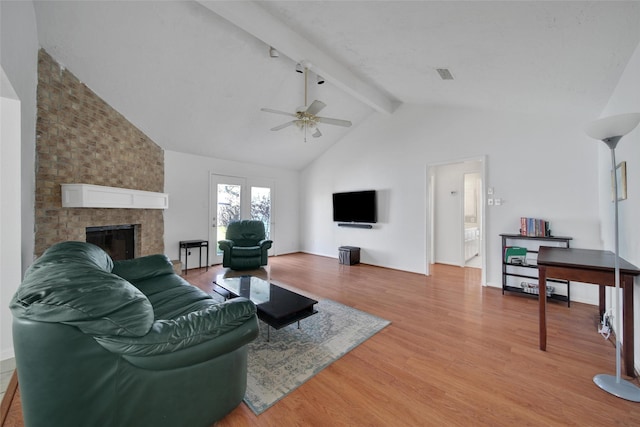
534	227
515	255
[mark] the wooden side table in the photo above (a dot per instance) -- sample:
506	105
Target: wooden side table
190	244
589	266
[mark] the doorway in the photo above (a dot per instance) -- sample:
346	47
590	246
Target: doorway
235	198
456	214
472	219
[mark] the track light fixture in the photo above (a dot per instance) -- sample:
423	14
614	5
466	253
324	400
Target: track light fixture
273	52
302	68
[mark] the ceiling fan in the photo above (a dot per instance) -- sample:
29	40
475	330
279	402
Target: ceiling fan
305	116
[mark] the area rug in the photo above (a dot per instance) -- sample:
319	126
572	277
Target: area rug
292	356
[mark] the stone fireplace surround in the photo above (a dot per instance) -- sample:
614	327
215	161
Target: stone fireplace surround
80	138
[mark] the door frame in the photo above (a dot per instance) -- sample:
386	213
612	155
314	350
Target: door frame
430	217
214	258
246	184
266	183
478	206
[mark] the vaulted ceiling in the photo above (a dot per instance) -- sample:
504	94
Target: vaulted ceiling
194	75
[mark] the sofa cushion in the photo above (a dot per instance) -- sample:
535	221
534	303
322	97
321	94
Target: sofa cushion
145	267
249	251
245	232
171	296
71	283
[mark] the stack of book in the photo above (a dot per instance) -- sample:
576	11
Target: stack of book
534	227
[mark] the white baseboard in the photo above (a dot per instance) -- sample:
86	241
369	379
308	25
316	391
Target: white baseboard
6	354
8	365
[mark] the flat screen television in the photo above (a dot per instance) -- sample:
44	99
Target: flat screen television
355	206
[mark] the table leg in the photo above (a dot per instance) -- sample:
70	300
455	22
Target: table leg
601	300
542	305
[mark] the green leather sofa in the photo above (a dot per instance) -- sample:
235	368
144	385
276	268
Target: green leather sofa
245	246
125	343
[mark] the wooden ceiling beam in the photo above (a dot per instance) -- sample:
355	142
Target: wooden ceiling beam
256	21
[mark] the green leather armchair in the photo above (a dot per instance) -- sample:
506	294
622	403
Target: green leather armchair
245	246
129	343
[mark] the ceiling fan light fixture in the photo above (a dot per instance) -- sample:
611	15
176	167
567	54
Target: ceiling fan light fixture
306	117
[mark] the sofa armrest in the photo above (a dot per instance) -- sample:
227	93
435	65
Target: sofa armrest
167	336
266	243
222	345
225	244
95	301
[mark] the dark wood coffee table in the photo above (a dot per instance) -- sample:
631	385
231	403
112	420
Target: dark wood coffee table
277	307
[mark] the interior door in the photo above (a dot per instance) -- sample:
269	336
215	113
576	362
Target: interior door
261	207
227	202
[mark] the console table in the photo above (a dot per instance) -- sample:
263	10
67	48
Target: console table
525	269
589	266
190	244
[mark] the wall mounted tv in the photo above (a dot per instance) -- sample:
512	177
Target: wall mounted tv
355	206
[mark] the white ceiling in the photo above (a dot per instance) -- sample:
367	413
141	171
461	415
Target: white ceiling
194	82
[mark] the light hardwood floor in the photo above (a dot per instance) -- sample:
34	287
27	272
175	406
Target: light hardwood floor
456	354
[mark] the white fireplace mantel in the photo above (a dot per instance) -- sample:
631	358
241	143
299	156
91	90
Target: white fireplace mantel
98	196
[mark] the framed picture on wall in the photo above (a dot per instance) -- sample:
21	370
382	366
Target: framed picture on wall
621	176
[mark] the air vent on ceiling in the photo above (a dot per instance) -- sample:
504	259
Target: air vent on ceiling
445	74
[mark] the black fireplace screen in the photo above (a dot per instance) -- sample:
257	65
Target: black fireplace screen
117	240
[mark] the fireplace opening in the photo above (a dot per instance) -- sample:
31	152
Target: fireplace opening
119	241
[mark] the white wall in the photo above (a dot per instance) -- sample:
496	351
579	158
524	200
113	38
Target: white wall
187	182
11	272
18	58
541	166
625	99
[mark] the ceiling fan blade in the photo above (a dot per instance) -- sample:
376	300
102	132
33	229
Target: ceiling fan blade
337	122
284	113
315	107
284	125
317	133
